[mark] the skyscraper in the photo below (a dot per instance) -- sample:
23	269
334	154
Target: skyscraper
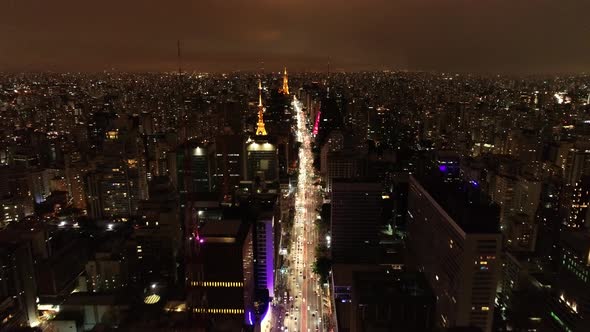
261	160
264	249
194	163
577	162
344	164
576	202
119	181
18	285
157	234
356	217
223	292
568	303
455	240
229	155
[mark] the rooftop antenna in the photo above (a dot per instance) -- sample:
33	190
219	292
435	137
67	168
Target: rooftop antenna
327	81
179	63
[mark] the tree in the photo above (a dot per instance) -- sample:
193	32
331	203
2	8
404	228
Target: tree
323	223
321	250
322	267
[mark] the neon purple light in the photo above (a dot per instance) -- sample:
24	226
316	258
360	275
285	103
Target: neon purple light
442	168
316	125
269	258
474	183
250	318
201	240
263	317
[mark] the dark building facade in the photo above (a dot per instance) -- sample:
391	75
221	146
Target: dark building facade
356	217
454	238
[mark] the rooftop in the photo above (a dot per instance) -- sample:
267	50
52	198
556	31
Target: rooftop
464	202
380	286
357	184
578	241
222	228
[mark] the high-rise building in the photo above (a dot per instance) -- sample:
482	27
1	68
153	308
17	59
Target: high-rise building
158	147
231	115
524	144
107	269
119	181
229	157
157	238
264	249
60	258
577	162
261	160
520	233
577	203
221	283
569	303
75	173
18	287
502	192
356	217
527	196
334	142
391	301
12	211
194	167
344	164
111	191
40	183
454	238
16	186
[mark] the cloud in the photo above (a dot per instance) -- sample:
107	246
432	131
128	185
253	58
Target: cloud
446	35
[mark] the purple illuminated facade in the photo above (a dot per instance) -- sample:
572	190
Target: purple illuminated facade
265	253
270	259
316	125
220	273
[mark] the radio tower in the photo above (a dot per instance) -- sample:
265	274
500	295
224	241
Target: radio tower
260	130
285	89
180	115
179	63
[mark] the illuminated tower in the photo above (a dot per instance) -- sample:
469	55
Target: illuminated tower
285	88
260	130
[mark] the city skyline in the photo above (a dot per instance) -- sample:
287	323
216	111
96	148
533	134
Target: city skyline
294	165
460	36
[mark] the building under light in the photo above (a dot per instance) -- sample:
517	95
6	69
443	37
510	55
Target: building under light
568	304
355	218
18	284
261	160
229	159
221	277
157	237
264	251
454	236
578	211
194	163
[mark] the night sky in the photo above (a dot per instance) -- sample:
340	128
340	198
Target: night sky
518	36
